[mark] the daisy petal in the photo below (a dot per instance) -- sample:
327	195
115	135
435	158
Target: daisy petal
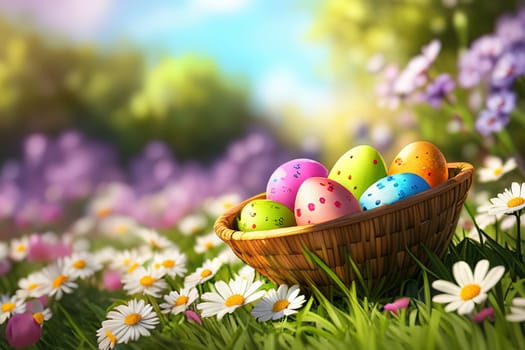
446	287
493	277
480	271
462	273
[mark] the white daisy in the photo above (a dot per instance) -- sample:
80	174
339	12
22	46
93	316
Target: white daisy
155	239
278	304
145	280
18	248
471	287
171	262
105	255
229	297
227	256
56	281
81	265
191	224
509	201
28	286
517	310
40	314
83	226
204	273
117	225
494	168
247	272
10	306
127	261
218	205
106	339
129	322
207	242
177	302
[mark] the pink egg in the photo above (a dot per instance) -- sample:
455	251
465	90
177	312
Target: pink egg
320	199
288	177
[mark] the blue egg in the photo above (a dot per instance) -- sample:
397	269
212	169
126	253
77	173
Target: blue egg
391	189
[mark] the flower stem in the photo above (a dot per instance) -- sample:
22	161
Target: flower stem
518	235
75	327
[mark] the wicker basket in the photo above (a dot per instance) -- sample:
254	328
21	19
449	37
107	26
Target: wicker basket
377	240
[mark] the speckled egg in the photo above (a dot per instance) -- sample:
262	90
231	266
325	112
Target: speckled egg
264	214
422	158
320	199
358	168
391	189
285	181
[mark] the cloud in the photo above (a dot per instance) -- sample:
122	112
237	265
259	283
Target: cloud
178	15
282	88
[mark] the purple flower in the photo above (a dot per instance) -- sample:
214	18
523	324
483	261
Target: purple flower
438	89
486	313
507	69
397	305
491	121
502	101
22	330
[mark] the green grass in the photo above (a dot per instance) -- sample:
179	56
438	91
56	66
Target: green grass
353	317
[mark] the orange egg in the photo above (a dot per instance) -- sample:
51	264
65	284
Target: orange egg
421	158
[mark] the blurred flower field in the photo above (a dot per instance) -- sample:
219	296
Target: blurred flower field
107	241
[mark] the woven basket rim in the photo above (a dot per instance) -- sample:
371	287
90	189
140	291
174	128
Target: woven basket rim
223	225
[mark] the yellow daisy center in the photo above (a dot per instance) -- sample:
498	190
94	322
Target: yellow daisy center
280	305
8	307
469	291
21	248
132	267
102	213
181	300
234	300
39	317
126	261
205	273
79	264
497	171
32	286
515	202
228	205
168	263
154	243
111	337
121	228
132	319
147	281
59	280
208	245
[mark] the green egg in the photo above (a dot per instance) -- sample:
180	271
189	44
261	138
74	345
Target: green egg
359	168
264	214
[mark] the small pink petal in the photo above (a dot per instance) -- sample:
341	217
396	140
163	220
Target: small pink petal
193	316
397	305
486	313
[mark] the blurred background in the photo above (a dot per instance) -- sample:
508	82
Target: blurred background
152	93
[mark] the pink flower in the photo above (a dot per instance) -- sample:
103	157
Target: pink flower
112	280
486	313
397	305
22	330
5	266
46	248
193	316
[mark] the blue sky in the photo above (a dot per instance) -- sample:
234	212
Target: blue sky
262	41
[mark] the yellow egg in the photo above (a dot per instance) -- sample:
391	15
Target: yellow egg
421	158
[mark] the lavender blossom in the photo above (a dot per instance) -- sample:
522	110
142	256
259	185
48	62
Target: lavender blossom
438	90
491	121
502	101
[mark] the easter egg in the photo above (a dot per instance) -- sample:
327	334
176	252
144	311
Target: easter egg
391	189
264	214
358	168
422	158
285	180
320	199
